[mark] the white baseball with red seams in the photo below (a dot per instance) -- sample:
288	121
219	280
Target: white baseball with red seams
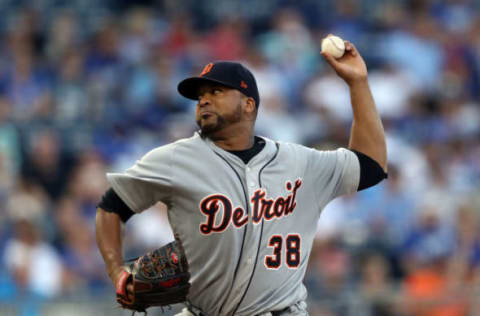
333	45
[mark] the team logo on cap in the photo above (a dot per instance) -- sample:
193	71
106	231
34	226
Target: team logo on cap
206	69
243	84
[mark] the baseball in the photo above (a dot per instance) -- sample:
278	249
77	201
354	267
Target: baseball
333	45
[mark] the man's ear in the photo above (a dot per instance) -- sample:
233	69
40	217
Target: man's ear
251	107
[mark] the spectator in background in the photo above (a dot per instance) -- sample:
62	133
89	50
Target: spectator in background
63	36
444	206
82	261
10	155
415	48
389	212
140	34
28	256
328	95
290	47
46	164
473	41
149	230
456	15
328	278
87	182
103	67
24	84
276	121
71	101
348	21
227	41
464	262
179	35
393	89
429	238
378	296
428	290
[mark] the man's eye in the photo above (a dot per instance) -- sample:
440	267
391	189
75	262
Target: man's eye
217	91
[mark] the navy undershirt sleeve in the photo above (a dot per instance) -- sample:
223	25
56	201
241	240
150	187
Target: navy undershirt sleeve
112	203
371	172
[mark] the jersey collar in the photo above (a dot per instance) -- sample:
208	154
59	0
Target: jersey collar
258	160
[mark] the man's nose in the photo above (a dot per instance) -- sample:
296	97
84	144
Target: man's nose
203	100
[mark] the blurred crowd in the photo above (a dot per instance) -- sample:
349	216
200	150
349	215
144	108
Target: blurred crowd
88	87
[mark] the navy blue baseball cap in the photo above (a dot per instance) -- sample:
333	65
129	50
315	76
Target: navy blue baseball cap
230	74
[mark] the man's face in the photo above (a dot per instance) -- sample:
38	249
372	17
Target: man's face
218	107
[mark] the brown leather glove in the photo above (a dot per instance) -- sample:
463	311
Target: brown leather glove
159	278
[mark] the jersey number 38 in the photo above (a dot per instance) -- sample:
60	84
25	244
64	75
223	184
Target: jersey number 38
292	253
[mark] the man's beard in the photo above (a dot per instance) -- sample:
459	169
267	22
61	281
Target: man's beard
209	130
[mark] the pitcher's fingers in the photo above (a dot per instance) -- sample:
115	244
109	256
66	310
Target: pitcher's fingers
130	290
349	47
330	59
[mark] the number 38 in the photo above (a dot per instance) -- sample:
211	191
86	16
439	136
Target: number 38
292	253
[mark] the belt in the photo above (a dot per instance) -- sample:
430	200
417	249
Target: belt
194	310
197	312
280	312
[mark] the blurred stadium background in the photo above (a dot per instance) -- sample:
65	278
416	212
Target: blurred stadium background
88	86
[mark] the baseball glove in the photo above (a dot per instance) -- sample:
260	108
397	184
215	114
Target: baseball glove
159	278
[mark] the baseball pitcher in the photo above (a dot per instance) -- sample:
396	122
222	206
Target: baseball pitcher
243	208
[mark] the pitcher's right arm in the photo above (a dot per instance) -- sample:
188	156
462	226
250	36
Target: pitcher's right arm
109	232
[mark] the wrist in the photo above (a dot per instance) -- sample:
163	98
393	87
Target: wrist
358	82
114	272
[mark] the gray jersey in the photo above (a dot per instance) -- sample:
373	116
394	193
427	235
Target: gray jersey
247	229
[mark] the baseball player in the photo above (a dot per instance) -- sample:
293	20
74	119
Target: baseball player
245	207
